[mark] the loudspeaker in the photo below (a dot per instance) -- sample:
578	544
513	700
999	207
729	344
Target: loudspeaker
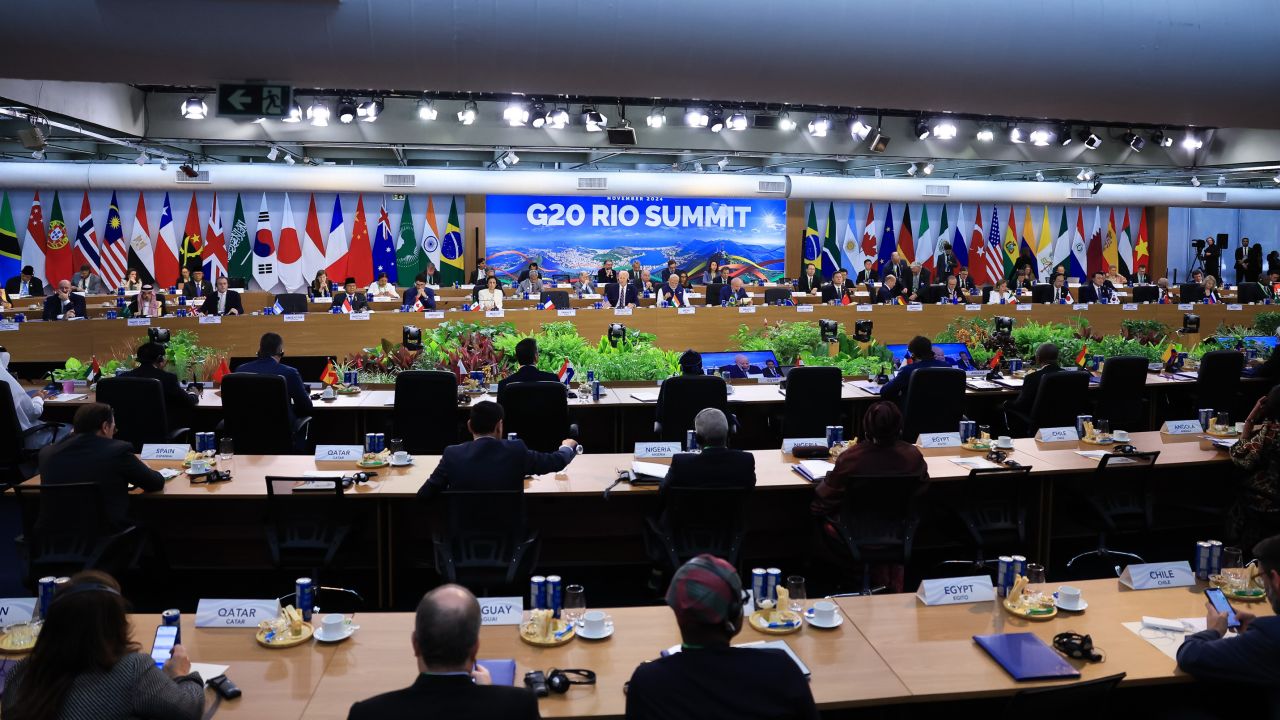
32	138
1222	241
621	136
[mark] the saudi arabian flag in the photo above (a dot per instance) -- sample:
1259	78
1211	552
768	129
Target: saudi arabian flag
239	246
451	253
10	250
830	250
409	261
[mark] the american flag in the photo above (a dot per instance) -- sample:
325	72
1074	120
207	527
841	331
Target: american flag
991	251
114	250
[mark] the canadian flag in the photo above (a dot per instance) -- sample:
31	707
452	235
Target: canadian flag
417	305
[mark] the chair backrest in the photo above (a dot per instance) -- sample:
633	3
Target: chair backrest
1190	292
33	370
1146	293
426	410
813	401
1060	398
536	411
293	302
64	525
1062	701
681	398
138	404
1041	293
1218	380
713	293
256	415
305	527
11	449
310	367
995	500
1121	487
559	298
704	520
773	295
1250	293
934	401
880	514
1120	392
479	529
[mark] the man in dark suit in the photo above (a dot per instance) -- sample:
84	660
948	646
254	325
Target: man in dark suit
771	369
1099	290
151	365
670	270
431	275
1140	276
478	275
946	259
921	350
446	640
527	358
91	454
270	350
867	274
920	278
896	267
223	302
1020	407
26	284
622	293
964	280
717	466
606	274
420	292
197	286
358	301
810	280
490	463
64	304
890	290
672	289
1242	261
735	293
740	369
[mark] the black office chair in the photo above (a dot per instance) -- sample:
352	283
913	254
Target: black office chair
33	370
694	521
475	291
305	529
681	398
1041	293
141	414
772	296
559	298
293	302
255	410
16	461
481	539
65	530
1190	293
991	506
1248	293
986	293
329	599
1063	702
310	367
934	401
931	293
538	412
1218	381
812	403
877	522
1146	293
1061	397
1120	392
1117	499
425	414
713	293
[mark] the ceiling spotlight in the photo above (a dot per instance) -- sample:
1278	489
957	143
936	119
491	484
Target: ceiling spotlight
1039	176
657	118
1016	136
696	117
1277	178
911	169
594	121
164	164
922	130
819	126
540	116
558	119
738	121
39	155
1222	181
1195	181
318	113
879	173
468	113
928	168
288	160
697	167
723	162
142	158
1064	135
945	130
193	108
985	134
427	110
858	130
294	113
516	114
1162	139
717	122
1097	185
500	164
369	110
274	153
879	142
1192	142
346	110
1134	141
785	123
188	170
1084	175
1090	140
1040	137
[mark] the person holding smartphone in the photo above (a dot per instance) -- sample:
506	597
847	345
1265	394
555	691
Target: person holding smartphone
1258	454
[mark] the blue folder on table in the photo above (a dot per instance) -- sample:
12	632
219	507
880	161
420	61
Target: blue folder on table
1025	656
501	672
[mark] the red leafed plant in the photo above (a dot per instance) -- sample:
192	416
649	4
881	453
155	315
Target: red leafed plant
474	352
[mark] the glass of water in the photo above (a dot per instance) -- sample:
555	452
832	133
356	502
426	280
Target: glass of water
574	604
795	586
226	448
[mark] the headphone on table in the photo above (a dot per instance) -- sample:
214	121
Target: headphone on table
1077	646
559	681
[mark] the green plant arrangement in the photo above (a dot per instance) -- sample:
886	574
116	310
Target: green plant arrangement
852	359
788	340
185	356
74	369
1265	323
1147	332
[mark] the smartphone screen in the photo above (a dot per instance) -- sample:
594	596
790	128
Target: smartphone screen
1221	604
162	648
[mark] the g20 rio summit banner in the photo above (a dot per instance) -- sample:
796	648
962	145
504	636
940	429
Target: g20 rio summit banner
566	235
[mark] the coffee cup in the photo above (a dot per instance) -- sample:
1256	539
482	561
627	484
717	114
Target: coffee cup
1070	597
1239	428
328	393
199	466
332	624
1004	441
68	386
824	611
1120	435
595	622
400	458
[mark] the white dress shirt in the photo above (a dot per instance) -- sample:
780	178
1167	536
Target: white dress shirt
490	299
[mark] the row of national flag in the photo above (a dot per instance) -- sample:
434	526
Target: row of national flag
988	239
286	261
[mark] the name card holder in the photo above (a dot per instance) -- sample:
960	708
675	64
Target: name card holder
746	308
864	308
295	317
972	307
9	326
1080	306
1129	306
591	296
155	451
1150	576
915	307
1186	306
1058	434
789	444
339	453
1022	307
622	311
685	310
235	613
804	308
956	591
140	322
495	313
433	315
501	610
939	440
363	315
657	450
15	611
566	313
210	320
1181	427
1234	306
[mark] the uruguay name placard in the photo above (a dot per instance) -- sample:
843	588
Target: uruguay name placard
501	610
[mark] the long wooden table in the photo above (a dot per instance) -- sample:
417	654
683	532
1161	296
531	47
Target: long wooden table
890	649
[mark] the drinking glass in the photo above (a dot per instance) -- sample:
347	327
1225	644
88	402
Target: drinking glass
984	432
1102	427
226	448
1035	577
795	586
395	445
1233	567
574	604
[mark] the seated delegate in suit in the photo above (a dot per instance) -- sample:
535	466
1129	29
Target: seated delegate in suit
532	282
488	462
490	296
1047	359
223	301
1061	293
29	408
359	303
320	287
147	304
622	293
151	363
606	274
525	273
867	274
771	370
270	350
920	350
740	369
527	359
711	274
91	454
890	290
382	289
446	641
951	294
420	293
964	280
920	277
717	465
24	284
1000	294
810	281
64	304
197	286
709	678
735	293
584	284
1211	294
480	273
671	289
1097	291
835	291
670	270
89	282
881	451
646	283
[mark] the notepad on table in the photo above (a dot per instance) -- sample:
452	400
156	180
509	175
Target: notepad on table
813	470
981	385
1025	656
502	673
648	469
1011	382
645	396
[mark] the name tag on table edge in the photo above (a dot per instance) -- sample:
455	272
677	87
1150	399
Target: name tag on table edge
157	451
769	380
939	440
657	450
591	296
364	315
746	308
685	310
804	308
15	611
789	444
1150	576
972	307
222	613
9	326
622	311
1186	306
1023	307
570	312
1129	306
1080	306
339	453
432	314
140	322
1181	427
915	307
210	320
495	313
864	308
295	317
1058	434
501	610
1234	306
956	591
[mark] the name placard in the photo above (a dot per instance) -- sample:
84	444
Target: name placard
1080	306
622	311
362	315
939	440
210	319
1022	307
339	453
433	315
156	451
789	444
9	326
746	308
566	313
956	591
769	380
972	307
140	322
685	310
657	449
495	313
915	307
1234	306
804	308
1181	427
501	610
864	308
1186	306
1058	434
295	317
15	611
235	613
1129	306
1150	576
591	296
535	296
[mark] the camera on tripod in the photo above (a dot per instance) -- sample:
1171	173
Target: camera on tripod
1197	244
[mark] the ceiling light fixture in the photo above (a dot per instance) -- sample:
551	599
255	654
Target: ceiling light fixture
592	119
1222	181
558	119
427	110
945	130
369	110
1195	181
785	123
467	115
1192	142
274	153
696	117
985	134
723	162
1162	139
858	130
539	117
1091	141
194	108
738	121
1040	137
39	155
819	126
879	173
657	118
142	158
1039	176
319	114
912	169
922	130
346	110
294	114
1064	135
1016	136
1134	141
288	159
928	169
516	114
164	164
717	122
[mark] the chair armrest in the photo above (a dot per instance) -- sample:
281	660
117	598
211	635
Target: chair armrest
302	425
657	428
573	430
177	434
52	426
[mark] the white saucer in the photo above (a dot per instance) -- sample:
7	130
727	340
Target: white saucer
403	464
323	637
839	620
1080	608
191	473
581	631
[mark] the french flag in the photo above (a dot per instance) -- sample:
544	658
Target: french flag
548	305
566	372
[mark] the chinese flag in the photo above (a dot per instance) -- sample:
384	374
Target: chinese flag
360	256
